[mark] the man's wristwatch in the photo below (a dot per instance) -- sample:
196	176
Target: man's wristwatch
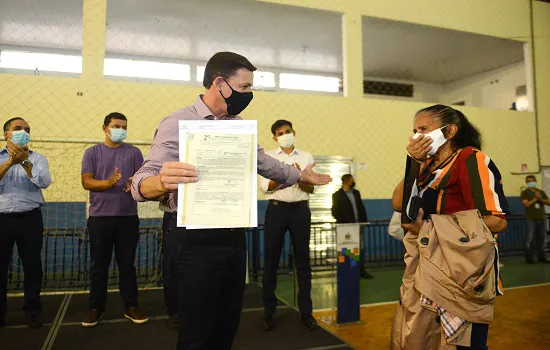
25	163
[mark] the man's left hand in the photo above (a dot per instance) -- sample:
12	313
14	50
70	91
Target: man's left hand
310	177
18	153
128	185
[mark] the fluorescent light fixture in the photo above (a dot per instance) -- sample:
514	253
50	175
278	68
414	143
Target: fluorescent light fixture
261	79
41	61
308	82
146	69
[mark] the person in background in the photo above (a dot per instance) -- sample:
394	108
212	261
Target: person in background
348	207
288	209
211	262
23	175
170	251
394	228
107	171
534	201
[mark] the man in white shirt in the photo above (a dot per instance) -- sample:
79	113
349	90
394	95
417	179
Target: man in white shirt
288	209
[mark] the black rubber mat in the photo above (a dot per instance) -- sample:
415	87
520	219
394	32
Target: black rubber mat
123	335
15	315
289	333
253	297
151	303
23	338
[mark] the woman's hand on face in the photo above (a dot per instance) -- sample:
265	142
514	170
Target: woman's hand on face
418	148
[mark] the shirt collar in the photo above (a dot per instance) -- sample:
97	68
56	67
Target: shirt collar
205	113
294	151
5	150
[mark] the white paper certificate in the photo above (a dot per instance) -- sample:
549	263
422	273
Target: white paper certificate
225	154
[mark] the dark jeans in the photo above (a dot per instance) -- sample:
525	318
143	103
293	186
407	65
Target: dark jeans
170	251
279	218
25	230
122	233
211	273
536	230
480	331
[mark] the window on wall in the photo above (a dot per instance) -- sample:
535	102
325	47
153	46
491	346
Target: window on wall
177	31
41	37
147	69
40	62
309	82
478	70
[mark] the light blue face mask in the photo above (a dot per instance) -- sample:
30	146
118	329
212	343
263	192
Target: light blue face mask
20	137
118	135
532	184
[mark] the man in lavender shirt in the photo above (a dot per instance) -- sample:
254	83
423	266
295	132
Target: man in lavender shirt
211	263
107	171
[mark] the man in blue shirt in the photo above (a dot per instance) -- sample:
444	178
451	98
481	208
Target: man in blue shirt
23	175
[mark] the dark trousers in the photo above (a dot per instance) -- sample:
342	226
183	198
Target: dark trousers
480	331
170	251
25	230
211	273
122	233
296	218
535	239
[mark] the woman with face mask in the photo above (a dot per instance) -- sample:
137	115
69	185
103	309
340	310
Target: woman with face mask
446	174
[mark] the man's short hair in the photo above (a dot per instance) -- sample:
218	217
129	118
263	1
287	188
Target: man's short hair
7	125
279	124
114	115
346	177
530	177
224	64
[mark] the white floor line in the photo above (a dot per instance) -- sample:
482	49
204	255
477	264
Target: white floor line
527	286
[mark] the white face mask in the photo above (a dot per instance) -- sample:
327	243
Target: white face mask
437	137
286	140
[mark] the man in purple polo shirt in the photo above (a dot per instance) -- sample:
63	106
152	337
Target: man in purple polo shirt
107	172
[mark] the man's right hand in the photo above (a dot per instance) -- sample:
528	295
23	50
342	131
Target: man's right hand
114	178
174	173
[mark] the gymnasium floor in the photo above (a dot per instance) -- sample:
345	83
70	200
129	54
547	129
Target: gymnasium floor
522	314
522	317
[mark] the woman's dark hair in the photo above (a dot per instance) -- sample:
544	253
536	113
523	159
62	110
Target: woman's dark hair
467	134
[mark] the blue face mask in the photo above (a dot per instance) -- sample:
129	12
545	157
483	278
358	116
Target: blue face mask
20	137
532	184
118	135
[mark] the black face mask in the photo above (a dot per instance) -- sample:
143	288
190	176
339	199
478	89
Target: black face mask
237	101
352	185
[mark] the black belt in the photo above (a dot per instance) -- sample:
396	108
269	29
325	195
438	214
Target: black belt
20	214
288	204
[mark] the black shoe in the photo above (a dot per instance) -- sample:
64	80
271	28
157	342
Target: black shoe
34	321
93	318
544	260
173	321
365	274
309	322
529	261
268	324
